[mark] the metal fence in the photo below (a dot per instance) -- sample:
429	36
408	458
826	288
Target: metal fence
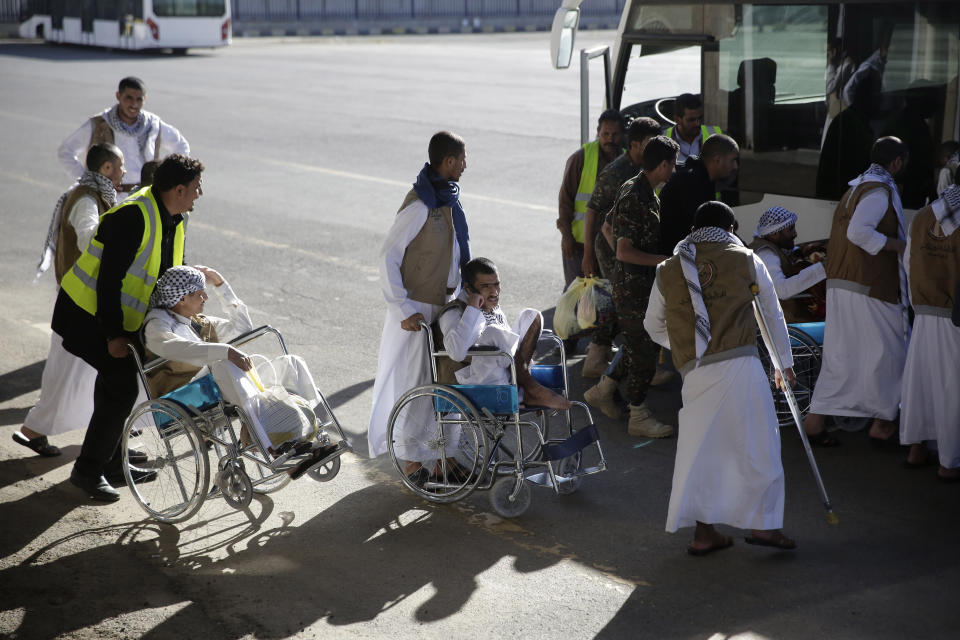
296	10
10	10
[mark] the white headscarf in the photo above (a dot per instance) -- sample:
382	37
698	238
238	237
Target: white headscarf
175	283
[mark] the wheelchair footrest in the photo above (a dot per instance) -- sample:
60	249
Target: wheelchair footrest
577	442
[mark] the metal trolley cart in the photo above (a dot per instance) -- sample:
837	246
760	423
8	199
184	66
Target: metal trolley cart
477	433
180	432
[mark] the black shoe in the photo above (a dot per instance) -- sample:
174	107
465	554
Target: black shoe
139	476
98	488
136	457
315	458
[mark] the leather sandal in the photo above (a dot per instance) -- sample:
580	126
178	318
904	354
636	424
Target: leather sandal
39	445
823	439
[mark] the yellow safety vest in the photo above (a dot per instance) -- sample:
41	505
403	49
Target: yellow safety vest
80	282
705	132
588	179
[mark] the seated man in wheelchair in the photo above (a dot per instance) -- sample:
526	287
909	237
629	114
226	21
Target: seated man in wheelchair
176	329
475	320
798	272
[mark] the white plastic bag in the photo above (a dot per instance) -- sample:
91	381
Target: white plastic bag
277	416
565	315
596	303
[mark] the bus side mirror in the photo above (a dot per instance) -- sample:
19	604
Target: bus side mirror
562	35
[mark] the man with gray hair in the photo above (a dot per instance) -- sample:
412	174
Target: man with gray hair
773	243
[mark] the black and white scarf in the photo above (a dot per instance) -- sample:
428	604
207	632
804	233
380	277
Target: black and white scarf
145	129
175	283
877	173
494	317
93	179
687	250
950	219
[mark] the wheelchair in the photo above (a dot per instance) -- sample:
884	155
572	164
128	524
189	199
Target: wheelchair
184	432
483	440
806	345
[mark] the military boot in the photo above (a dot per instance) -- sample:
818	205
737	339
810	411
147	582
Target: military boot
601	395
598	357
643	423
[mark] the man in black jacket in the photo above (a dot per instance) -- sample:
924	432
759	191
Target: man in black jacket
694	184
101	304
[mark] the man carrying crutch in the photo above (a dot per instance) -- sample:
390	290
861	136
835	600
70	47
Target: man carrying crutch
728	468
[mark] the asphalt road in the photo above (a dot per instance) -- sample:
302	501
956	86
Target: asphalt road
310	146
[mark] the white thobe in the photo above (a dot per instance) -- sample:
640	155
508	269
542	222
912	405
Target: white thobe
864	339
171	336
66	385
930	410
470	329
73	151
728	468
788	287
403	362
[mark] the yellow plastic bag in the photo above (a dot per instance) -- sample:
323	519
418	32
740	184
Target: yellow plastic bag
596	303
565	323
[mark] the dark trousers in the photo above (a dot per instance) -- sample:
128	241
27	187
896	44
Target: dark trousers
641	352
114	394
573	266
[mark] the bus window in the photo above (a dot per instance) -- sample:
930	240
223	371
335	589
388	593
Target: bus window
640	97
184	8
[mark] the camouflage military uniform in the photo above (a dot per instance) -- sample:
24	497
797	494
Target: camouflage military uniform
601	201
636	216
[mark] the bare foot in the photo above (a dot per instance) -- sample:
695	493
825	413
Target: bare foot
770	538
707	539
918	455
410	467
948	474
882	430
30	433
538	395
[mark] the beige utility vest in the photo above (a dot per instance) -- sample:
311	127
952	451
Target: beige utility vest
934	265
794	310
726	272
67	251
849	266
426	262
173	375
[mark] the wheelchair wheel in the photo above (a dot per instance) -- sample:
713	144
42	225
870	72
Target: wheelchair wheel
175	450
325	472
234	483
508	500
456	442
806	367
566	469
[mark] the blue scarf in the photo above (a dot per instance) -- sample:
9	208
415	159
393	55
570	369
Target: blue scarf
437	192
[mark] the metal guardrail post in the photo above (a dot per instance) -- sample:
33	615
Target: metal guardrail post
586	55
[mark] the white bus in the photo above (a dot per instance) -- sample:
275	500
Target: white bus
130	24
760	69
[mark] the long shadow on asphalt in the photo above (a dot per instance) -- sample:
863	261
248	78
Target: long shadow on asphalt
20	381
358	558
